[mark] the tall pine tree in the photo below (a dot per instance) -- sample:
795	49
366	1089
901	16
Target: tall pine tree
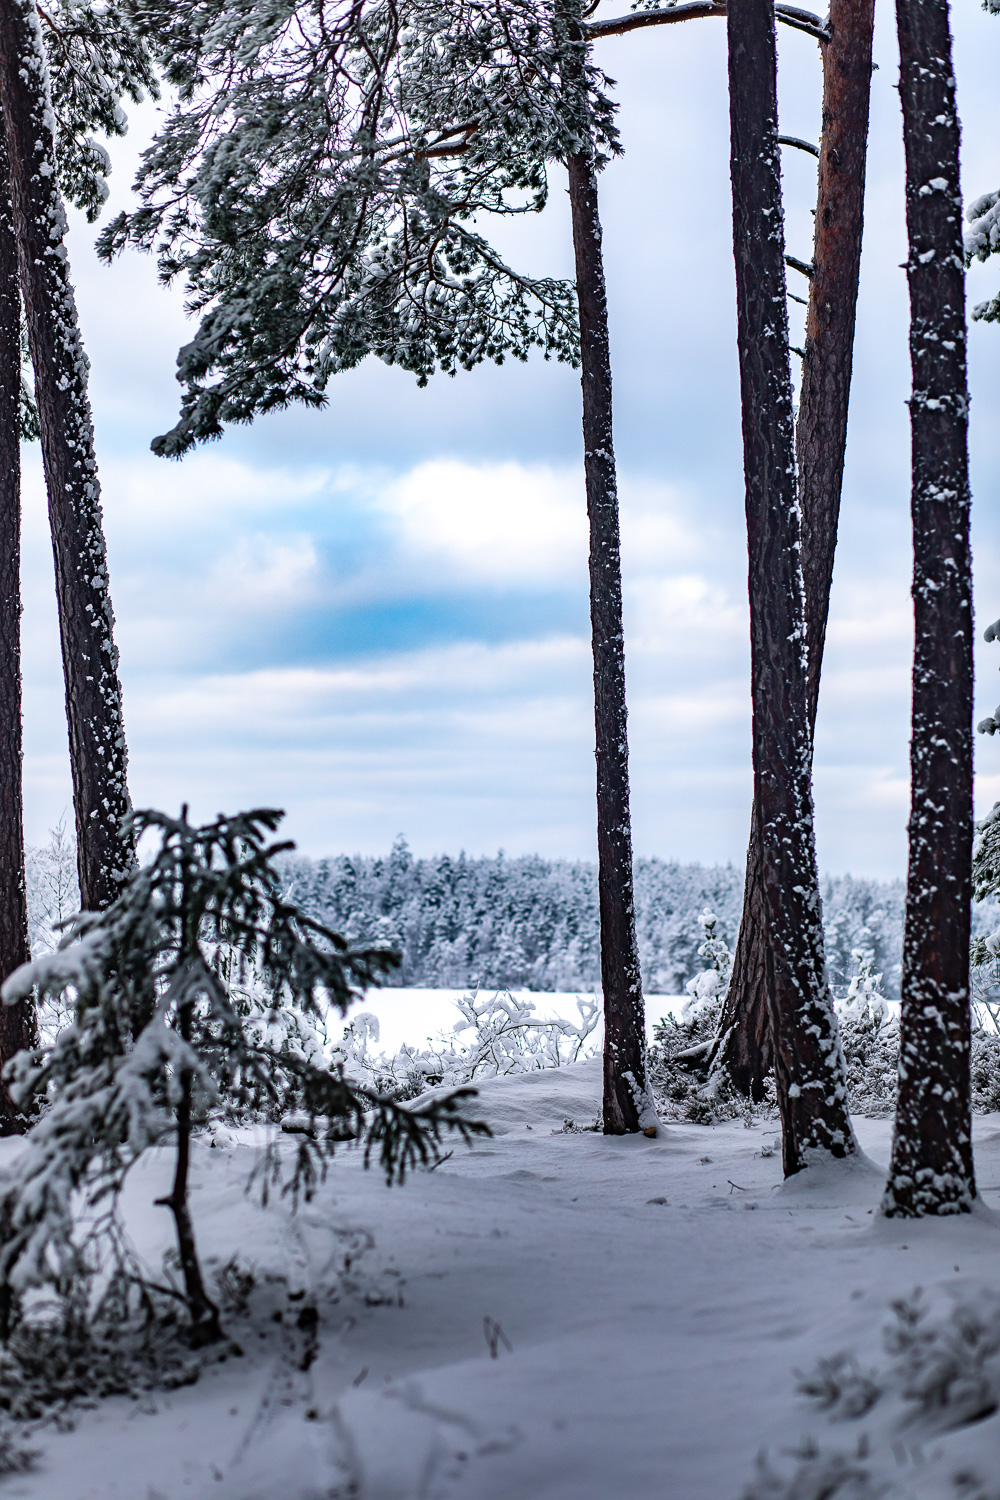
626	1102
931	1171
820	447
18	1028
808	1063
89	83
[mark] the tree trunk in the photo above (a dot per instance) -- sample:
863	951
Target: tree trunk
821	442
808	1063
626	1100
90	660
18	1025
931	1171
205	1327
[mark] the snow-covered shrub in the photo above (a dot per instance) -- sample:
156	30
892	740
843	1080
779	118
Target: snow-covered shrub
946	1368
811	1473
985	1070
497	1034
941	1374
77	1350
678	1057
840	1387
198	989
869	1035
986	965
943	1370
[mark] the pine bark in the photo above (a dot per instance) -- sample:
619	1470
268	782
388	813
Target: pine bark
626	1107
931	1171
808	1063
821	444
18	1024
205	1327
86	622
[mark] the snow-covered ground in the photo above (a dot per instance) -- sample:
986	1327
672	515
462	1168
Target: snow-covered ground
551	1315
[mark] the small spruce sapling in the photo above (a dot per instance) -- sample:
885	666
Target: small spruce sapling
197	988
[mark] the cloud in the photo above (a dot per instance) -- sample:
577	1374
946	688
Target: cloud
376	614
491	523
267	574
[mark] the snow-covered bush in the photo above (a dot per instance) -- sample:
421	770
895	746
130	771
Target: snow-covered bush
678	1058
496	1035
869	1028
199	989
810	1473
941	1374
869	1035
943	1370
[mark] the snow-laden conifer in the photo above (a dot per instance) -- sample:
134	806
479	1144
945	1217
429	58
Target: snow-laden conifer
320	189
95	59
198	989
982	238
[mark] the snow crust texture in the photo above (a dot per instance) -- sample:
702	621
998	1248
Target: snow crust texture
560	1315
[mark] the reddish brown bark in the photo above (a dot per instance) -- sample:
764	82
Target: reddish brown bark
808	1065
820	446
626	1107
624	1026
18	1025
931	1171
86	622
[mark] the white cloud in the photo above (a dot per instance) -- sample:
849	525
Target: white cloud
262	572
492	523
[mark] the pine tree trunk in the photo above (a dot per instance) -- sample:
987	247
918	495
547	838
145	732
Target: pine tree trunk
625	1093
821	443
205	1328
808	1063
18	1025
931	1171
90	660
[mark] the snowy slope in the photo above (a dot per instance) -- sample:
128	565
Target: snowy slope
654	1297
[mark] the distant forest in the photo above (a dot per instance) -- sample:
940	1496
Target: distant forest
532	923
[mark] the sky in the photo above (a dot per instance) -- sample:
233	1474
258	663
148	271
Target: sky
375	616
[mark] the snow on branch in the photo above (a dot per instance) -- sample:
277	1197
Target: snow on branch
321	185
653	14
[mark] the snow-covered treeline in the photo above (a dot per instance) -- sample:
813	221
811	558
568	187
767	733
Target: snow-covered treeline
529	922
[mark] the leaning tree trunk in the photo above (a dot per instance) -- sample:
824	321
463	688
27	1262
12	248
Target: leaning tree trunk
18	1026
808	1063
90	660
626	1106
821	442
931	1171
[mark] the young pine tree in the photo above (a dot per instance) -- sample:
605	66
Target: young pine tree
197	989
